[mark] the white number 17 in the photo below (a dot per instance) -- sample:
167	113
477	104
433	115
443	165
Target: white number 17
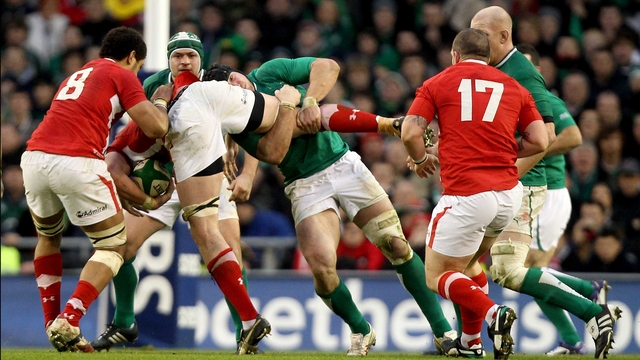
466	103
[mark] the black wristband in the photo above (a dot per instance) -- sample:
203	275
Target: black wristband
547	119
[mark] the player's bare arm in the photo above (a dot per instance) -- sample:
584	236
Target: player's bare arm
230	167
151	116
241	186
568	139
421	162
531	146
322	77
274	145
134	199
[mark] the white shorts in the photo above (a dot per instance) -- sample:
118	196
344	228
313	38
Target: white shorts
459	223
81	186
168	213
198	121
552	221
532	202
347	183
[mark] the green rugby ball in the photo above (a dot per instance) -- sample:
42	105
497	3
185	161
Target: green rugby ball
151	176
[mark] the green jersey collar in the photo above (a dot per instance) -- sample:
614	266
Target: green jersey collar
507	57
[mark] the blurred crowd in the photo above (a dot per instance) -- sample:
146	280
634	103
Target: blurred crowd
386	49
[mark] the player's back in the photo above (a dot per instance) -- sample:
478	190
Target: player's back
478	109
84	108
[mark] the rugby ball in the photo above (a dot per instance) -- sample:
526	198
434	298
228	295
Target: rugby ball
151	176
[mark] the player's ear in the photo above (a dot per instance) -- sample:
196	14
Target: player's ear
131	58
504	36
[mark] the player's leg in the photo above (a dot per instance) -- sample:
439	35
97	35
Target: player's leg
509	254
230	230
365	201
547	230
199	196
318	236
318	230
123	328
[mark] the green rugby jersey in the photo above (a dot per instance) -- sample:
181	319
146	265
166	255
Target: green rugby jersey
516	65
555	165
308	154
153	82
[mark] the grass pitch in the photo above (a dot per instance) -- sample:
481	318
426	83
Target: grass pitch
185	354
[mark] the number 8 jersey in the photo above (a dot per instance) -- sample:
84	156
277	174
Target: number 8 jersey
479	108
84	108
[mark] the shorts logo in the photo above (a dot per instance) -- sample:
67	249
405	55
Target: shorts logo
87	213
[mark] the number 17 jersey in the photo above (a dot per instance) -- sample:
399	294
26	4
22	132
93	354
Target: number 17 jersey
86	105
479	108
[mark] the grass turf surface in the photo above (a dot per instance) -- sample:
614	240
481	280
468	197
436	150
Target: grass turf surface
185	354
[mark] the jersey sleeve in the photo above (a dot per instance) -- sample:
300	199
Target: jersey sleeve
424	104
128	88
528	112
290	71
538	90
561	116
133	144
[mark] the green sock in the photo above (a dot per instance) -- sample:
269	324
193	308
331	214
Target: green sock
583	287
125	284
341	303
560	319
234	314
456	307
412	277
546	287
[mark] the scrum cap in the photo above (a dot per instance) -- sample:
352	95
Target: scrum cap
185	40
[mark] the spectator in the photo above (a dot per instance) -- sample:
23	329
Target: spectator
575	92
592	41
278	25
356	252
610	20
371	148
609	254
601	194
434	30
549	72
632	141
309	42
610	143
415	70
46	31
393	91
335	24
97	23
589	124
584	171
72	41
385	175
626	201
625	50
550	23
14	202
607	76
16	63
579	250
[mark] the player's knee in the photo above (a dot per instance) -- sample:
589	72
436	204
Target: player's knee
204	209
109	238
508	268
49	230
385	232
110	258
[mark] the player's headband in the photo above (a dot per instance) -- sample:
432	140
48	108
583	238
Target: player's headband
219	72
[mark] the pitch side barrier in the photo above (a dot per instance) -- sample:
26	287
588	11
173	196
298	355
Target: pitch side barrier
177	306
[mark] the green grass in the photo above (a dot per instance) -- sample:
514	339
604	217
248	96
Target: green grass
183	354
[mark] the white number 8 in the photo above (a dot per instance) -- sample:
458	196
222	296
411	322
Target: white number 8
75	85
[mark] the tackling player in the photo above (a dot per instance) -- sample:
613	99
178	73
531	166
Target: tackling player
184	53
510	251
481	191
321	175
64	169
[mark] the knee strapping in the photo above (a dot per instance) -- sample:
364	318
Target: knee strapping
110	258
382	229
508	268
204	209
49	230
109	238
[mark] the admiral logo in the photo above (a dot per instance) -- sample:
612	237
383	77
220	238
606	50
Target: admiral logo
87	213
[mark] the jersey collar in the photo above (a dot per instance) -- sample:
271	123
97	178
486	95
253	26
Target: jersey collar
475	61
507	57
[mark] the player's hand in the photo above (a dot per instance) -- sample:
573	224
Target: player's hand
162	199
230	167
132	209
288	93
427	168
163	92
309	119
241	188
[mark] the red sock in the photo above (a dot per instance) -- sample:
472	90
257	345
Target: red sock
48	270
79	302
349	120
225	270
472	323
463	291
